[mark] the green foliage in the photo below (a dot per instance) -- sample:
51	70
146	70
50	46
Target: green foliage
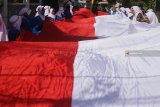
146	4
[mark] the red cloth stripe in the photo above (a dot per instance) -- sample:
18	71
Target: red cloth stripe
36	74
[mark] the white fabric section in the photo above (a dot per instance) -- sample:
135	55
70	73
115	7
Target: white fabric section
105	77
3	30
118	25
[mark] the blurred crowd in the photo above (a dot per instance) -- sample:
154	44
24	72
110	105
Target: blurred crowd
24	20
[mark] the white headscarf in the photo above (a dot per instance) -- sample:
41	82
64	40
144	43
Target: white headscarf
16	21
152	17
24	10
51	14
3	30
71	9
136	9
47	9
136	15
39	10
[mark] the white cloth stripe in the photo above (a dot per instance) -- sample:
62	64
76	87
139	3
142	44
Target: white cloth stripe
98	59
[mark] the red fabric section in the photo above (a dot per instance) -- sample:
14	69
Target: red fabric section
83	13
100	13
36	74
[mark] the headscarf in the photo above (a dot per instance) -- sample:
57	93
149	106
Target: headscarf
129	12
136	15
152	17
47	9
24	10
38	12
3	30
16	21
136	9
51	15
60	11
117	5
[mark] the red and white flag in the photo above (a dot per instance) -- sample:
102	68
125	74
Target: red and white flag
96	73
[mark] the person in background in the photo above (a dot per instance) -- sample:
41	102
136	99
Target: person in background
14	31
112	10
60	14
151	16
46	10
134	11
139	17
123	10
129	13
39	18
27	20
95	7
51	15
39	12
88	4
68	13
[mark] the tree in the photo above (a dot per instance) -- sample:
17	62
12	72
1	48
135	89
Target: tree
146	4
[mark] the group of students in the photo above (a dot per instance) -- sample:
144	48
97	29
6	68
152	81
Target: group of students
34	24
136	14
25	21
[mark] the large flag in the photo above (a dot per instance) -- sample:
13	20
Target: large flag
114	72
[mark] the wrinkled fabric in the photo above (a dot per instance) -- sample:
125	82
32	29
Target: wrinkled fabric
36	74
118	25
105	75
